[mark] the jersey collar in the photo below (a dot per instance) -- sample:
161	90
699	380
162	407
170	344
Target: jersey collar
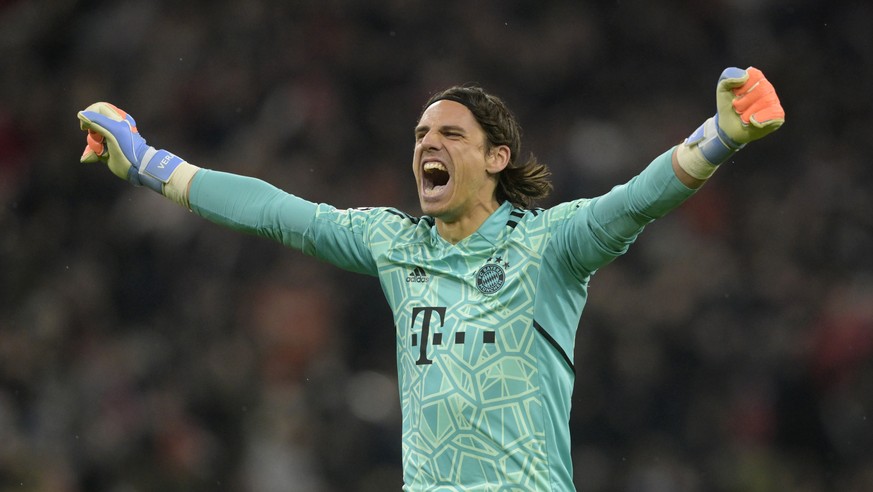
486	235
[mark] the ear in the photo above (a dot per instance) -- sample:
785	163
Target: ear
497	159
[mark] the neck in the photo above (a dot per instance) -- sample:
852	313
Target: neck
457	229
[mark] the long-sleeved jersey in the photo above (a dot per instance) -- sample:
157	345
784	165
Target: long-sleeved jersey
485	328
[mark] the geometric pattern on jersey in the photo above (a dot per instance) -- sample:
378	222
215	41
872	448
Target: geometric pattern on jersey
474	374
485	328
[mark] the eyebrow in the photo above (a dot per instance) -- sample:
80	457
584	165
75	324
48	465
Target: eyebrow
443	128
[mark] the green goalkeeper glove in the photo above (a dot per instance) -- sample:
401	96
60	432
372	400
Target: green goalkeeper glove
114	139
748	109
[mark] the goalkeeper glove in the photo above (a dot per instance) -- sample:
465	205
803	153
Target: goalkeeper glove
114	139
747	109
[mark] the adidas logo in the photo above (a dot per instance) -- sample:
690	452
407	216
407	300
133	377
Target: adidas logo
418	276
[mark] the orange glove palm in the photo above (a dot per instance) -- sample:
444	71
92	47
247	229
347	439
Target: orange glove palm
748	107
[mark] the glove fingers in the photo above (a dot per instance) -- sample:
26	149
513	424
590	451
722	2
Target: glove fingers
95	142
94	147
111	134
754	78
761	91
99	133
121	136
769	116
106	115
761	102
88	155
91	120
107	109
732	78
759	105
112	138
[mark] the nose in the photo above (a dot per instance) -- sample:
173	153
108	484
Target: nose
430	140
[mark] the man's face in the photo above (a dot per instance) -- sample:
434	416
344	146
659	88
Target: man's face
454	174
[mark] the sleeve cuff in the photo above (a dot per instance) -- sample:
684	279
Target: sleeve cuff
176	187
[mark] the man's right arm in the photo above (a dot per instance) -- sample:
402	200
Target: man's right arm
251	205
238	202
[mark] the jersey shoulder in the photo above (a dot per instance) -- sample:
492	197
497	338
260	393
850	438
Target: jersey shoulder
532	221
380	225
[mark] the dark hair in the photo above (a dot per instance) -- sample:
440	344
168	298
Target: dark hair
519	183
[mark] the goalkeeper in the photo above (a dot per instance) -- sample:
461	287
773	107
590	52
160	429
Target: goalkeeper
486	292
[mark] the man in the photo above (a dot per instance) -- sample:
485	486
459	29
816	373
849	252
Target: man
486	293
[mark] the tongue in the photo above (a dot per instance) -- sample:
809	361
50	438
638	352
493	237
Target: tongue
435	189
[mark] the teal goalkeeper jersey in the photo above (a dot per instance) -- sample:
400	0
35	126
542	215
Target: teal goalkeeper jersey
485	328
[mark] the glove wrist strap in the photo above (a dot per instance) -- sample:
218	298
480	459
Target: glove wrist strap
156	167
165	173
705	149
714	144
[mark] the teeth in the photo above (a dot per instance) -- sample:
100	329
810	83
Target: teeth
434	166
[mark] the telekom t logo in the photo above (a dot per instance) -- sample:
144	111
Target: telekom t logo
425	330
434	337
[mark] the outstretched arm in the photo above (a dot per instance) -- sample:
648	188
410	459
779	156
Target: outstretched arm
747	109
238	202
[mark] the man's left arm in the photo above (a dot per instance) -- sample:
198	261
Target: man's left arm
748	109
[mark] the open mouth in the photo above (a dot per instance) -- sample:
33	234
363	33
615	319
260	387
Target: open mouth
434	175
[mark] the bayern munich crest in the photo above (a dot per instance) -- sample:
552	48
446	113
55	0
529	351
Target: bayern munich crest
491	277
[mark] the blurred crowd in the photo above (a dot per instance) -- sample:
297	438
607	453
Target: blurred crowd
144	349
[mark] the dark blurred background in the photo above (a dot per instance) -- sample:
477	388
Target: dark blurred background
144	349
